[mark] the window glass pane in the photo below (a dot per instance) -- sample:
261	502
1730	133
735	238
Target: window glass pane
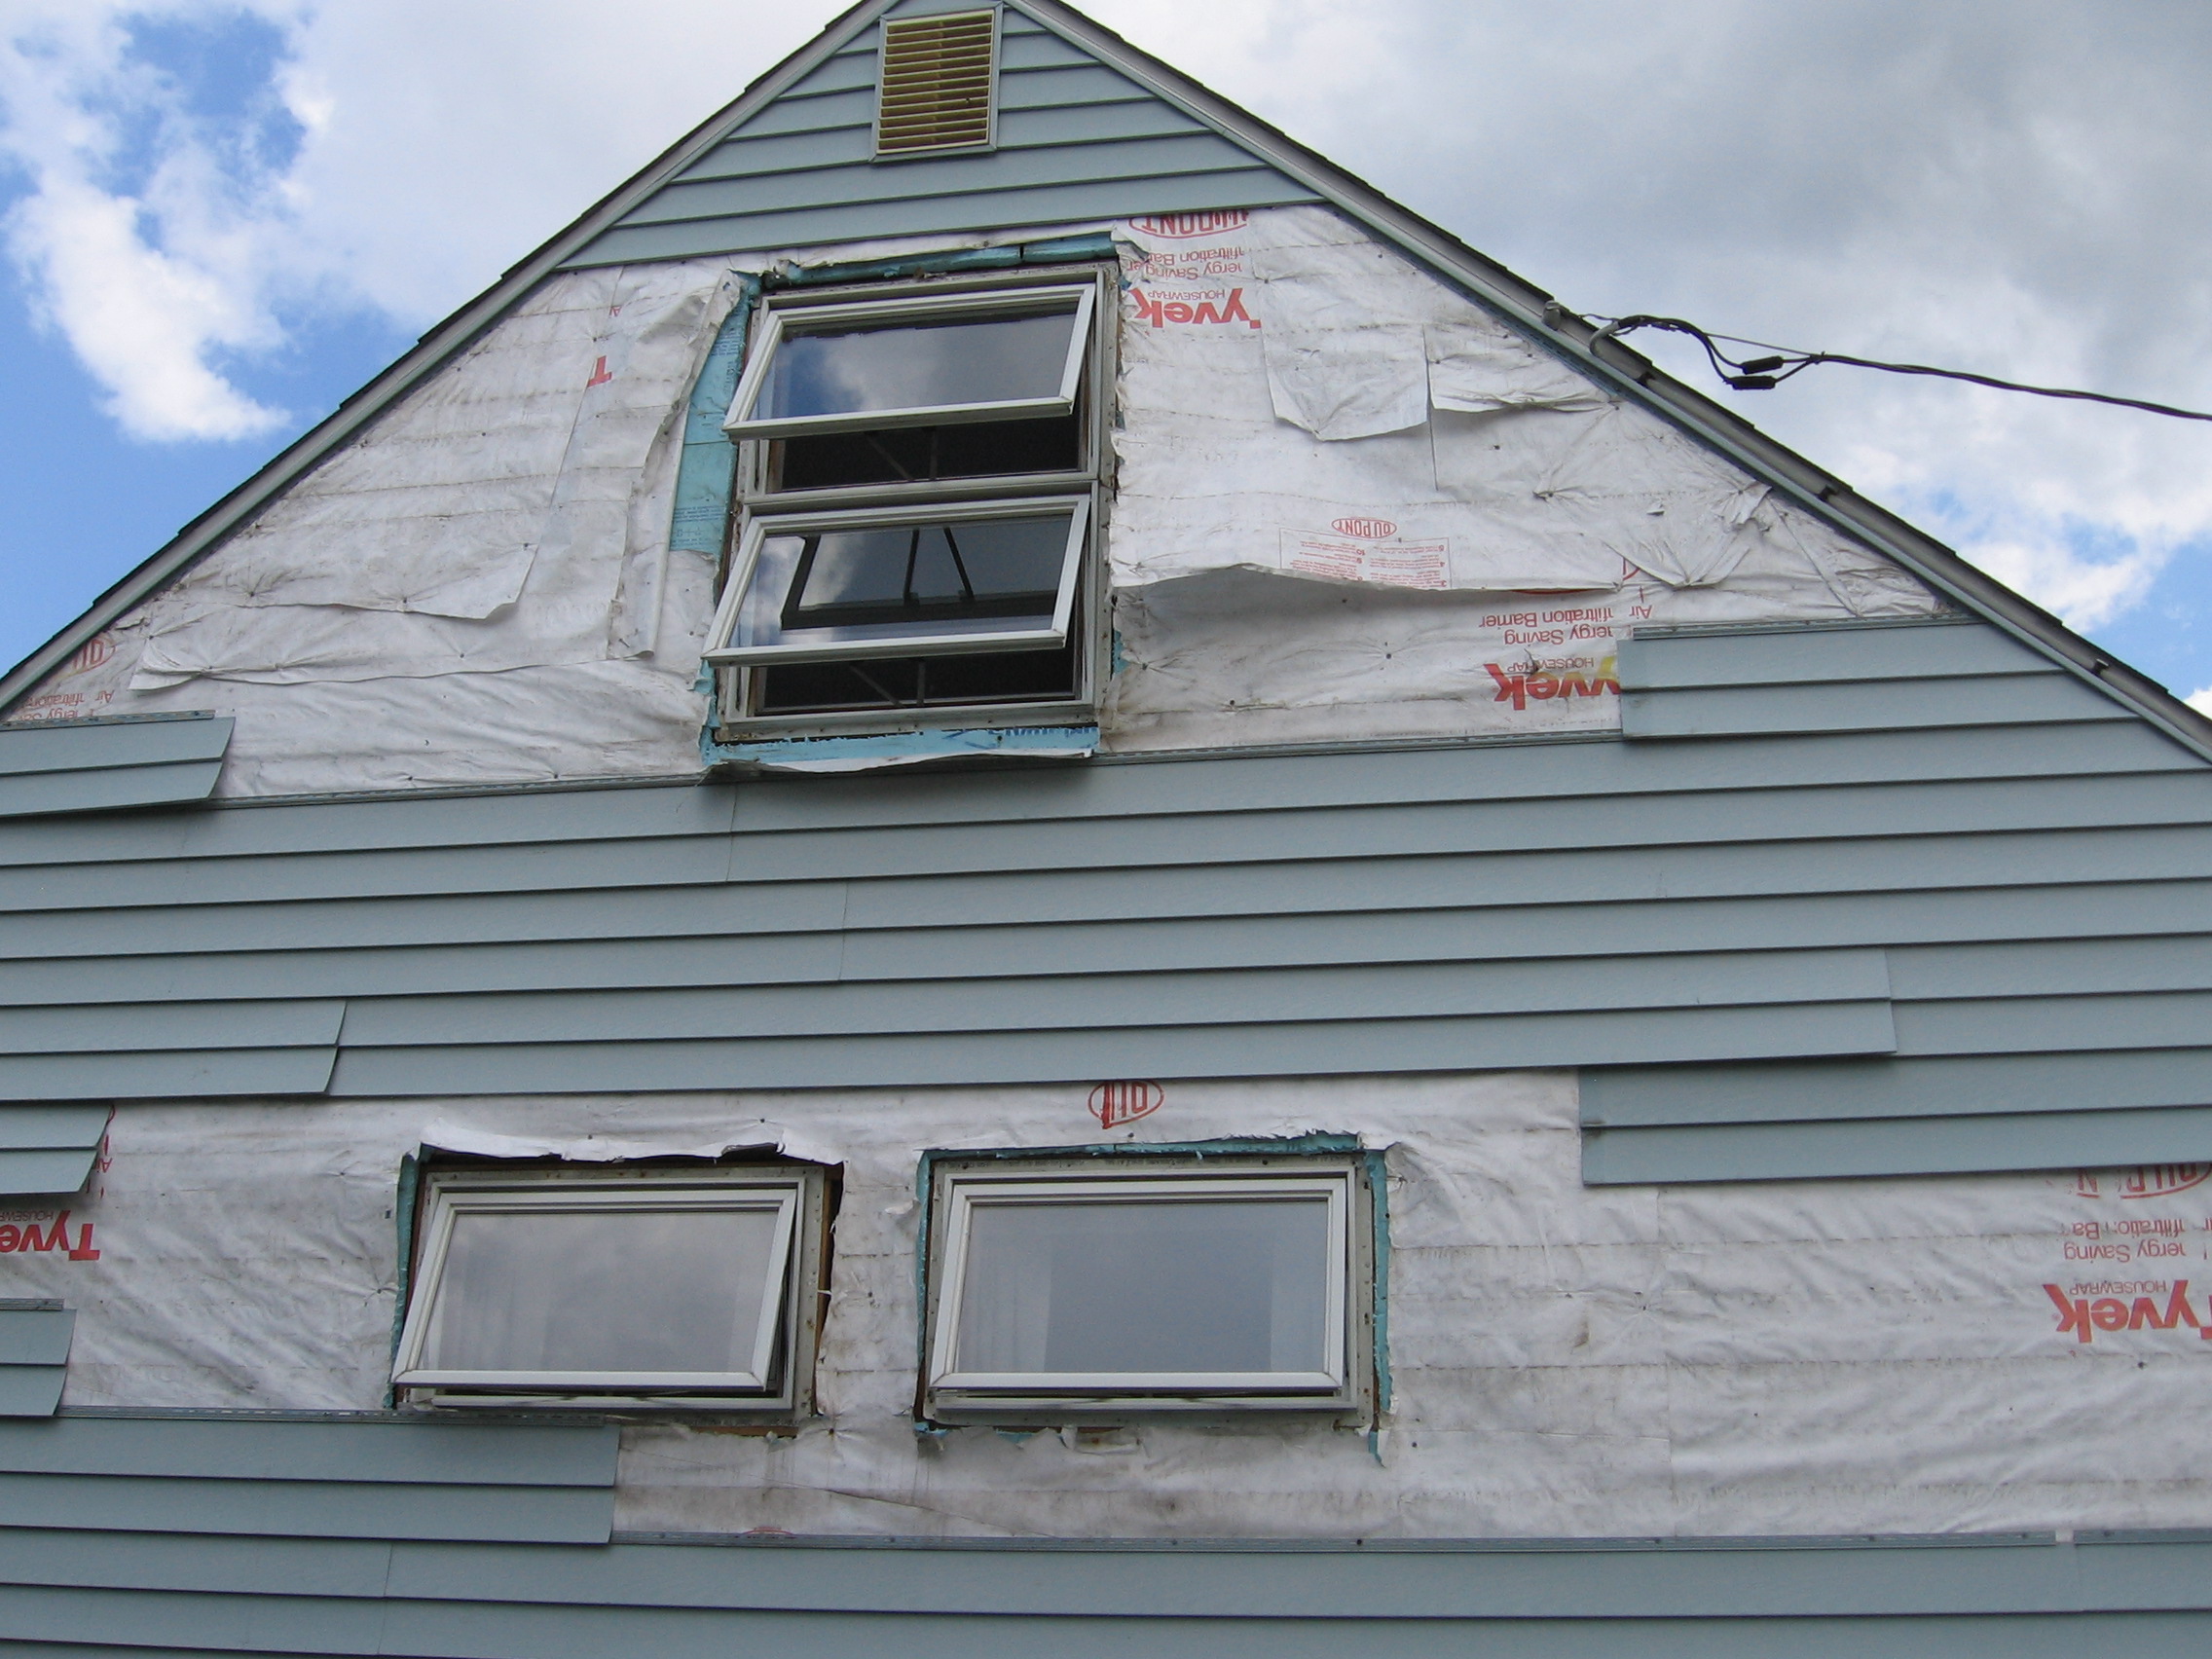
988	568
1129	1285
904	581
915	366
603	1290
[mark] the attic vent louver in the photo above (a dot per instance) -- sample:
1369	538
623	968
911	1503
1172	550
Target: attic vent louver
938	82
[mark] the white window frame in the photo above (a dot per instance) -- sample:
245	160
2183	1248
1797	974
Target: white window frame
778	321
955	1395
721	652
780	1369
1080	619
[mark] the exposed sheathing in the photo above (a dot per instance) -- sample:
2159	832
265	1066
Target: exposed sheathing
1876	1356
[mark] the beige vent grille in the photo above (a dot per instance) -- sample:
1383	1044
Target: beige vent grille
938	83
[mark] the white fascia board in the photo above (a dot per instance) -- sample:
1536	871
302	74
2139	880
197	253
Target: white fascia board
1809	487
431	352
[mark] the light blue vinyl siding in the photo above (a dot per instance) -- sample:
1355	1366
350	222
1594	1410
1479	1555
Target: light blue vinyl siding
2078	1042
1078	143
49	1149
95	766
344	1478
1821	940
138	1550
34	1356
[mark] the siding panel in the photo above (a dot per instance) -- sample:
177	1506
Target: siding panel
34	1356
823	224
2025	1595
2099	1139
49	1149
362	1478
802	174
1701	914
95	766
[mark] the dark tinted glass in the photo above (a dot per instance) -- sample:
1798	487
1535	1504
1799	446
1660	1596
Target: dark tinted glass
916	366
916	682
912	572
900	455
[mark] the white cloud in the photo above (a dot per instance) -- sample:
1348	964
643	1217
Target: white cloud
436	143
2006	185
147	279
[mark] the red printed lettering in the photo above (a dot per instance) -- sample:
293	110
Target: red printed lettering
2071	1315
2083	1317
1160	313
1517	686
14	1237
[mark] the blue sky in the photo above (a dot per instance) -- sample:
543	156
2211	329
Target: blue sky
223	217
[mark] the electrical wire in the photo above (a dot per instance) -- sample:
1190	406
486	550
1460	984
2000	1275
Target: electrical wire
1766	373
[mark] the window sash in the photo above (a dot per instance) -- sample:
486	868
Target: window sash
964	1193
721	652
970	306
450	1203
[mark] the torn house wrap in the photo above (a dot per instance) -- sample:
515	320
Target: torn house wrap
1488	522
1351	504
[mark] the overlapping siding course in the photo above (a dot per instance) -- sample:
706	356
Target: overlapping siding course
1954	888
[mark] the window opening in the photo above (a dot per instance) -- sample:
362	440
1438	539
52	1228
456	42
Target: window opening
674	1288
920	465
1195	1290
921	455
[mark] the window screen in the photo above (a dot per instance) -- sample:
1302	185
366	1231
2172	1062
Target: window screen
1184	1286
647	1285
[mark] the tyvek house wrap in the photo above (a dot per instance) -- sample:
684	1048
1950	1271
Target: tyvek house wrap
1349	505
1785	1358
1477	522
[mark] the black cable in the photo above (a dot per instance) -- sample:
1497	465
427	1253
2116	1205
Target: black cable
1763	374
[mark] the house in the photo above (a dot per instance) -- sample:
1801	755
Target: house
1004	872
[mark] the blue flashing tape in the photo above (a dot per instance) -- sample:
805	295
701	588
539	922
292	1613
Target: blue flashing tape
836	753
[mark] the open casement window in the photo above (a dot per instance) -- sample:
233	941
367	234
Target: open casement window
932	360
920	475
1097	1288
892	582
617	1289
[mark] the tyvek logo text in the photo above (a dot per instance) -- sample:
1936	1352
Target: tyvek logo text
29	1237
2083	1316
1160	312
1516	685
